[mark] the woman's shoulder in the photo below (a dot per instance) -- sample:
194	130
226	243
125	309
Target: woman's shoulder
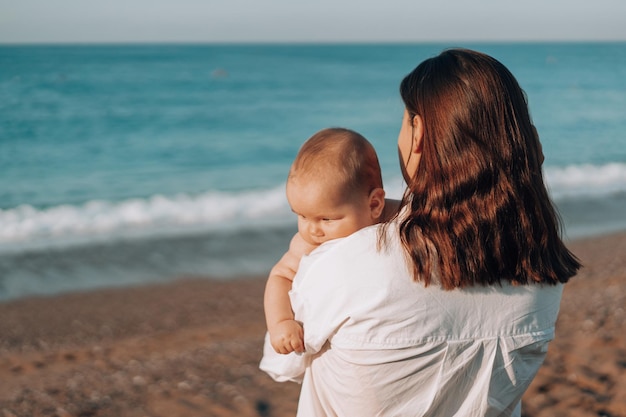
370	238
354	255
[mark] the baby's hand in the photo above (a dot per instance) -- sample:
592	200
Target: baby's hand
287	336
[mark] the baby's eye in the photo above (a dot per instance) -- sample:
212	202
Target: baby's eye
326	219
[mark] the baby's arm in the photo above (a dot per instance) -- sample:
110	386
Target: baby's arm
286	334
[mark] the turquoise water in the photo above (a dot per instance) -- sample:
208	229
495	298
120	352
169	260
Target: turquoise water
129	164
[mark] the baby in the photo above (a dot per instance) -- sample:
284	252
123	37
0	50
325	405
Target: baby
335	188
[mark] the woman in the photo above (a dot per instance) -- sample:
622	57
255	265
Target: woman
447	309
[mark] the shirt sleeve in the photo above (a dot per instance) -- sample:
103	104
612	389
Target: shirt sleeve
319	298
281	367
291	367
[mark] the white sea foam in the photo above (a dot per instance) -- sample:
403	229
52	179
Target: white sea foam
155	215
576	181
26	226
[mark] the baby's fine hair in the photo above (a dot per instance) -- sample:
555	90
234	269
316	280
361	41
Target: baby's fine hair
341	157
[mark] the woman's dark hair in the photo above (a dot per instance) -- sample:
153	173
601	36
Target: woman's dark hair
477	211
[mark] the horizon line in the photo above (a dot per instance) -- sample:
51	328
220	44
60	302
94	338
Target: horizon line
310	42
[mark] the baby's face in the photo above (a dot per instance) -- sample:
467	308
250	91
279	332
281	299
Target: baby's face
323	213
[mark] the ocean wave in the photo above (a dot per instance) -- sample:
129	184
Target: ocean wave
26	226
579	181
150	216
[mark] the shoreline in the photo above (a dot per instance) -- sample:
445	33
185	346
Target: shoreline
192	347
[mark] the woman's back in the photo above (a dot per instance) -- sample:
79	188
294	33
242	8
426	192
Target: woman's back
452	317
396	347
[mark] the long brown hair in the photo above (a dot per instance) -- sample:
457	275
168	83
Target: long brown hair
477	210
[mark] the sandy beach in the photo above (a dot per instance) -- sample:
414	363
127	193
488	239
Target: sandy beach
192	347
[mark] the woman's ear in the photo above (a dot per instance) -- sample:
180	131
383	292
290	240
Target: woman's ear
418	134
377	203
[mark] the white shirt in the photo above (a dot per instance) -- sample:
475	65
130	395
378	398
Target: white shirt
380	344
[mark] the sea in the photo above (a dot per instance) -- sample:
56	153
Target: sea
136	164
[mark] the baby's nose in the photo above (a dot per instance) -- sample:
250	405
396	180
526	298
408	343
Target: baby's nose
315	230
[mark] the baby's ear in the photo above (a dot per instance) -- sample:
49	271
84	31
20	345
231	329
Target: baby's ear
377	203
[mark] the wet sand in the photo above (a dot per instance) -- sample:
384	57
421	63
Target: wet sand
191	348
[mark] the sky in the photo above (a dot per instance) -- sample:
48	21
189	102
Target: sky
226	21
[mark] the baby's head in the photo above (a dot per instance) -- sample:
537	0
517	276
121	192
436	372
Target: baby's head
335	185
